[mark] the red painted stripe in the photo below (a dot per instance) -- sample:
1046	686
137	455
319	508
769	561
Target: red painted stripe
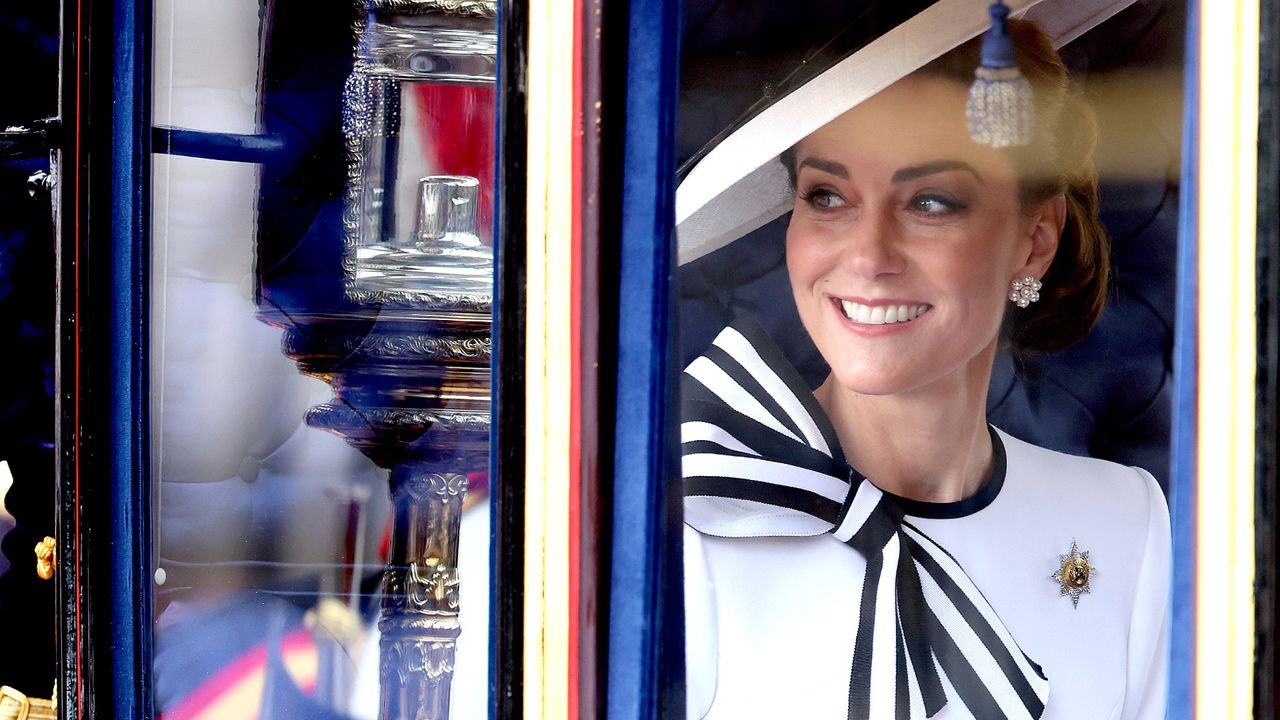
575	370
229	676
590	684
457	134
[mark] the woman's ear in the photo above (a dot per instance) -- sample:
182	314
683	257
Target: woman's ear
1045	229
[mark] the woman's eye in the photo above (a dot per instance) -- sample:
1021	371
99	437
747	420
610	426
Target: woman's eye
822	199
935	205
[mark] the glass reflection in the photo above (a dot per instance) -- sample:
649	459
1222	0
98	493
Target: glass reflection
344	284
418	114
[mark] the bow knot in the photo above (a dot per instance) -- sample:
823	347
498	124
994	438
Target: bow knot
753	433
871	530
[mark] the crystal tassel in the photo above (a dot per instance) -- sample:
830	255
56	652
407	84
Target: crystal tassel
1000	111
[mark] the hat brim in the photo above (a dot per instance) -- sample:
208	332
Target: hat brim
739	186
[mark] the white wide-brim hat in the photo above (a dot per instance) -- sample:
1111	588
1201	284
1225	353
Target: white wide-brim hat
739	185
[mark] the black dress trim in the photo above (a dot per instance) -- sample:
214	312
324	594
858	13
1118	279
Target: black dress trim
970	505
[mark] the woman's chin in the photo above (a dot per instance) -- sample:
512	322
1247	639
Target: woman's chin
871	380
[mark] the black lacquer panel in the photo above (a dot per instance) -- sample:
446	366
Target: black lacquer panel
508	449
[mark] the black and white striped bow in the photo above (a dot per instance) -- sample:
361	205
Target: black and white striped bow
753	433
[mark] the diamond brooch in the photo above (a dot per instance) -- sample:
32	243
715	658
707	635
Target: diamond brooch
1074	574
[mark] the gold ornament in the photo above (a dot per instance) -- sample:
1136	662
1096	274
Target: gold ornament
1074	574
16	706
46	557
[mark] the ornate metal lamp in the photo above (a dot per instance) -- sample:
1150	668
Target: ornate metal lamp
408	355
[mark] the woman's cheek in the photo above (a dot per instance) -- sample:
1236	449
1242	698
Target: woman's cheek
810	252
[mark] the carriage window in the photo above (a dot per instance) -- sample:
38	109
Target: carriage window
914	278
320	333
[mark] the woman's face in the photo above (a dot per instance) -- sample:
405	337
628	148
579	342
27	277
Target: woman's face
904	239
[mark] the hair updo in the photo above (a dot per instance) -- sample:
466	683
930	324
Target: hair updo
1059	160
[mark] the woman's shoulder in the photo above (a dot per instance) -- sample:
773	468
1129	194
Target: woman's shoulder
1086	478
1122	503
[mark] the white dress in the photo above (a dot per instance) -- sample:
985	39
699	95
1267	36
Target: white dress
771	621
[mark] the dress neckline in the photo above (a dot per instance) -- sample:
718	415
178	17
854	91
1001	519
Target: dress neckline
959	508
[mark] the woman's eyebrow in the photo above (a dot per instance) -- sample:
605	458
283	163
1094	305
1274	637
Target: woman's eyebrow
918	171
827	166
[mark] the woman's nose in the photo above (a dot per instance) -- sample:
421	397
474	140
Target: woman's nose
872	244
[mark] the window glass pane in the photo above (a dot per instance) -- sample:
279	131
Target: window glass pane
321	283
909	260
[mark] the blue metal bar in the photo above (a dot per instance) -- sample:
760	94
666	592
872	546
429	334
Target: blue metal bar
1182	486
229	147
646	624
129	261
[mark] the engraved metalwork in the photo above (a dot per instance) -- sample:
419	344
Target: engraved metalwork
405	41
392	663
422	592
434	589
415	53
465	8
441	486
413	348
431	660
415	299
333	416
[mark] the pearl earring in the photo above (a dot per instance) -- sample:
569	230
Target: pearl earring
1025	291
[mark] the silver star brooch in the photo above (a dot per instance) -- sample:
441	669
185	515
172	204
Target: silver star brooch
1074	574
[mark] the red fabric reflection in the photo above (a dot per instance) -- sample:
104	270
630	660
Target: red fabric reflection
457	133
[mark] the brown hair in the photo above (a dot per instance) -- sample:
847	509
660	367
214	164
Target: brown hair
1058	160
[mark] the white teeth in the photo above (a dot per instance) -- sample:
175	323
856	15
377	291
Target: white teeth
881	314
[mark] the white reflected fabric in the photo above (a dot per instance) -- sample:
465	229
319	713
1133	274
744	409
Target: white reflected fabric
7	521
206	61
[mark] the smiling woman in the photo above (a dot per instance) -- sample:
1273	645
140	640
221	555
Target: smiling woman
896	206
921	563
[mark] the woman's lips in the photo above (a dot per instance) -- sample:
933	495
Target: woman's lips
887	313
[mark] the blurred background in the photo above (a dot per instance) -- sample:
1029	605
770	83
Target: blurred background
29	46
